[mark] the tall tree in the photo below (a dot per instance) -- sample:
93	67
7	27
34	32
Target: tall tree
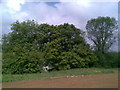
101	32
30	45
67	49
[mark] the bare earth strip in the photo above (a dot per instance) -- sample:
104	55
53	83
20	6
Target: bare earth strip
86	81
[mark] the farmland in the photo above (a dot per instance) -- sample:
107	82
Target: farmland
84	81
72	72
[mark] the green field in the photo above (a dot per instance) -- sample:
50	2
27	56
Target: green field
76	72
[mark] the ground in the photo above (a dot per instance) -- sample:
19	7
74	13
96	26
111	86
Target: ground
83	81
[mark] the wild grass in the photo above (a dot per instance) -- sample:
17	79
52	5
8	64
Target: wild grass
72	72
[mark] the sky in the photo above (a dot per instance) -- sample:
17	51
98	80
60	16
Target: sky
56	12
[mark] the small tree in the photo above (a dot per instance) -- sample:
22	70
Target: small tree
101	32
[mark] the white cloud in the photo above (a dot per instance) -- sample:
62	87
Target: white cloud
76	12
83	3
11	11
22	16
15	4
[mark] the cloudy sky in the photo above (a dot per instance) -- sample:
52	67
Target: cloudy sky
56	12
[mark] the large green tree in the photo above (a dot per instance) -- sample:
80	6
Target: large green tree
101	31
20	51
30	46
68	49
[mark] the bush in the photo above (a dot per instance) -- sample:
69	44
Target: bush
109	59
28	62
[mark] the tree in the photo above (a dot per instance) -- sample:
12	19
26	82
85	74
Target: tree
30	46
101	32
20	51
67	49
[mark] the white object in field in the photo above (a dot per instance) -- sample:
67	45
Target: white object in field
46	68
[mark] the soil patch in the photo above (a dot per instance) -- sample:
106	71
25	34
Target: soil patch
83	81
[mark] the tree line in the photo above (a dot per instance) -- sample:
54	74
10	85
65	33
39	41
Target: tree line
30	45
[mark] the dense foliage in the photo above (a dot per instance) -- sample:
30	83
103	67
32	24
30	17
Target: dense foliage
30	46
107	60
101	31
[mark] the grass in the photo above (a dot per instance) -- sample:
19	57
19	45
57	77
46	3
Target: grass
76	72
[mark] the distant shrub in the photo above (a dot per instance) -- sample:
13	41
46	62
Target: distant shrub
109	59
